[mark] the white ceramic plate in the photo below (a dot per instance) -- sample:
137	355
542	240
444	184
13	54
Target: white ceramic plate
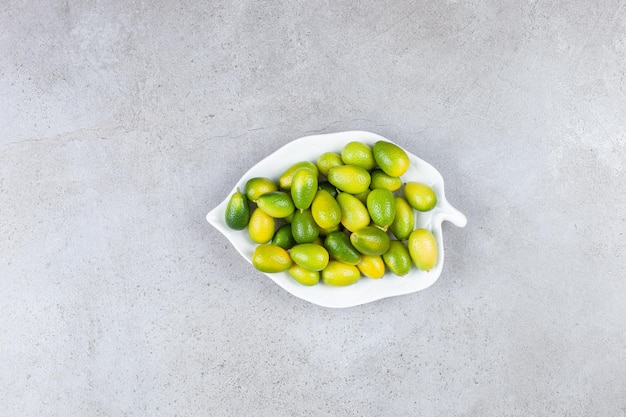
366	289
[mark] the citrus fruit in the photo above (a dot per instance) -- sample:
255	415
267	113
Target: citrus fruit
303	187
397	258
310	256
349	178
303	275
381	205
283	237
382	180
420	196
285	179
362	197
370	240
339	274
271	258
423	249
391	158
329	230
325	185
303	227
256	187
277	204
325	210
404	222
261	226
237	211
354	214
358	154
372	266
328	160
340	248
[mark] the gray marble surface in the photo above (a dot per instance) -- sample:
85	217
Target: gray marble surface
122	123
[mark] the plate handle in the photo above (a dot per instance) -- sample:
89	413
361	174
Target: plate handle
451	214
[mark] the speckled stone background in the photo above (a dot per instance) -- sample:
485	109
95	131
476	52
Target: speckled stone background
122	123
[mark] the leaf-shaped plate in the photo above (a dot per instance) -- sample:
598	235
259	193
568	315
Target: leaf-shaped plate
366	290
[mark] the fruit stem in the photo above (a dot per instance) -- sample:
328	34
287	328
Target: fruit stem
383	228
